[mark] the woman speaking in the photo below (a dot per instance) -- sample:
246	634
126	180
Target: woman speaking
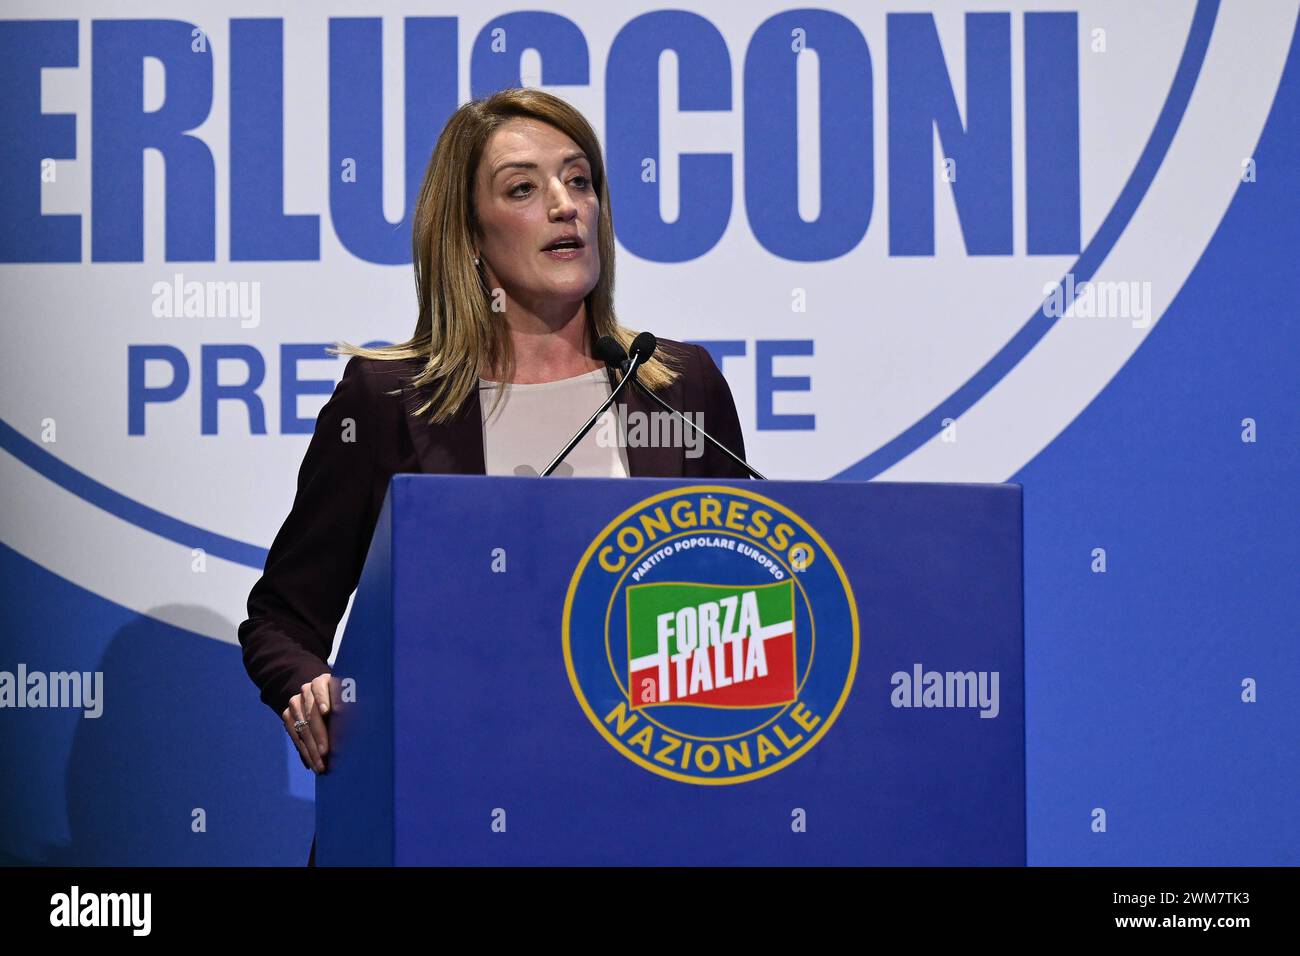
513	247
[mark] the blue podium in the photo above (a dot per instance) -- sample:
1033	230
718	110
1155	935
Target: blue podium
652	671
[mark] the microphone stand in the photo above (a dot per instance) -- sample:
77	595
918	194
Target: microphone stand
630	372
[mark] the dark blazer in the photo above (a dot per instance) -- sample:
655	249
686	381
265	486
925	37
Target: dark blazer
363	437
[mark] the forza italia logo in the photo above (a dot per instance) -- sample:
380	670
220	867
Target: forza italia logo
710	644
710	635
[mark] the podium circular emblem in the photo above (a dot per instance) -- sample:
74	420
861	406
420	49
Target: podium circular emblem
710	635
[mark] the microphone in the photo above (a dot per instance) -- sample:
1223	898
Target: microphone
647	343
643	345
613	353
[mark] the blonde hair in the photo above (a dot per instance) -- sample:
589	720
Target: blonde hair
456	332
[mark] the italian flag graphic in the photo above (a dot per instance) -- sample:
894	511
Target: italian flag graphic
711	645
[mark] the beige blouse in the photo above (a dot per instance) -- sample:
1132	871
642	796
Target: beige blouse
533	422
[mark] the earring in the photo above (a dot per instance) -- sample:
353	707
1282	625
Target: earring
476	262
